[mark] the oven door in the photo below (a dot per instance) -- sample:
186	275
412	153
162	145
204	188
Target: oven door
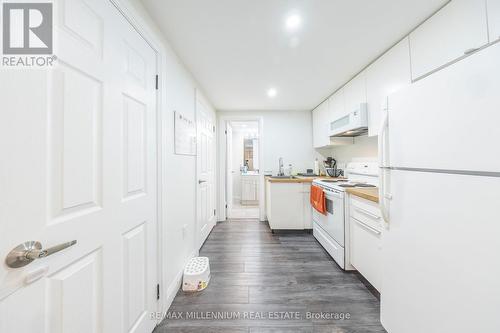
335	225
319	218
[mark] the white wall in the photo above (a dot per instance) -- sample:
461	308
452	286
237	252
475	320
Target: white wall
177	89
284	134
364	149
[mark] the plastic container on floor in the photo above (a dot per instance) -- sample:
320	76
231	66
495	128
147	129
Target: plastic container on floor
196	274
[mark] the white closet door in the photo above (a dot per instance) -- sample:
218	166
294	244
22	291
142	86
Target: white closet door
206	155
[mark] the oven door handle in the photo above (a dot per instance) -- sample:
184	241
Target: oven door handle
332	195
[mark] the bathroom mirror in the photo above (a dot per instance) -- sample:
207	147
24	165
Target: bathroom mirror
250	154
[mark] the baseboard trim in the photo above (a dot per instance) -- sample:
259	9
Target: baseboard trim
367	284
176	284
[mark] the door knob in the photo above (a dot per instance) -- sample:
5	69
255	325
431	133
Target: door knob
25	253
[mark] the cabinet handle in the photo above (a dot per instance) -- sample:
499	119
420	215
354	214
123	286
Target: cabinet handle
372	229
362	211
471	50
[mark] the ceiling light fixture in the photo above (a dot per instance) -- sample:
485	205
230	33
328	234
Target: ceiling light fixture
293	22
272	92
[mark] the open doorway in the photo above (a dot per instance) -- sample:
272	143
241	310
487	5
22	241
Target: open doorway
243	165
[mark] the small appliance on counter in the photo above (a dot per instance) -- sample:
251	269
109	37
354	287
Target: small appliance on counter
331	168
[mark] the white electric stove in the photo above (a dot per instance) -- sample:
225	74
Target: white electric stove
331	230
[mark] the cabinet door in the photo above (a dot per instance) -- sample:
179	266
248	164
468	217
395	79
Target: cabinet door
268	199
315	127
245	190
307	213
454	31
321	124
494	19
286	209
366	252
336	107
355	93
388	74
255	190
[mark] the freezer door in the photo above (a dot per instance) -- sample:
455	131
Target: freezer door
450	119
441	267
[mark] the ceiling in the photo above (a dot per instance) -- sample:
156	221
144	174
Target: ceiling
239	49
242	126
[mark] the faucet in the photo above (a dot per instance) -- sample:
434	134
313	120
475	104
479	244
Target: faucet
281	171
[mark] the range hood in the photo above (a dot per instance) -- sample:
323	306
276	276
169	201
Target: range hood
355	123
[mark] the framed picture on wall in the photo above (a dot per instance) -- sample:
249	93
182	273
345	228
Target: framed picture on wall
184	135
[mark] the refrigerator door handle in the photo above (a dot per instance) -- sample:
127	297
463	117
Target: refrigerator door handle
382	164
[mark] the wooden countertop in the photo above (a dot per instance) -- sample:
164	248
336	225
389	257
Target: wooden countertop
296	179
368	193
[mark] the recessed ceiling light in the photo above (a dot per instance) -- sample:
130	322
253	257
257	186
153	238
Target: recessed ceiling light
293	22
272	92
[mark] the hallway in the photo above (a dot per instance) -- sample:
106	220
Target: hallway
263	282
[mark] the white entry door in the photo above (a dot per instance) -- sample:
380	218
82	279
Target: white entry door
78	147
205	165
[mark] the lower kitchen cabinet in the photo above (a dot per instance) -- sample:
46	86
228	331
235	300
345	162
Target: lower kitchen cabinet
365	223
306	203
249	190
287	205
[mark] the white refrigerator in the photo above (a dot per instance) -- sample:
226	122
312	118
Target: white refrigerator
440	197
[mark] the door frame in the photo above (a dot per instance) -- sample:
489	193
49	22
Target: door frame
222	166
144	30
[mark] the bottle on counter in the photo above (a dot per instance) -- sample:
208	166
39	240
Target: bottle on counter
316	167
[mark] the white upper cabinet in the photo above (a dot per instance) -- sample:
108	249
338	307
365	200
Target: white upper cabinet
336	105
322	116
321	125
494	19
316	123
385	76
456	30
355	93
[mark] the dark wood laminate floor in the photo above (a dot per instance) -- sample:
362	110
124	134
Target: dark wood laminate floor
257	275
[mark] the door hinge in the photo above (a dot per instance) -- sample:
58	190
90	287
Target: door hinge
214	128
158	291
226	205
156	82
215	212
225	132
